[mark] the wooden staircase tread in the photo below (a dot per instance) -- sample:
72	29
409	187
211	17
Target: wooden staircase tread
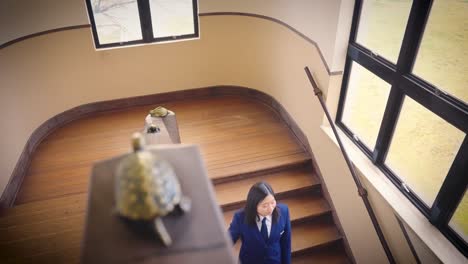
44	210
43	228
77	178
33	230
70	158
243	128
256	130
299	207
57	176
255	146
217	155
69	255
328	255
53	184
262	163
260	157
312	234
308	235
45	244
283	181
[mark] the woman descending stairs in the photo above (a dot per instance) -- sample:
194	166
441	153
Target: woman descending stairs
242	142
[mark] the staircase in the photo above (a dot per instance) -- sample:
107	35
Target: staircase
242	142
315	238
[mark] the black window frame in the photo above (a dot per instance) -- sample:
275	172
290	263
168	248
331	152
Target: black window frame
404	83
144	13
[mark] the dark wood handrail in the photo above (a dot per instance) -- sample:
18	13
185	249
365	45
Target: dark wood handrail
361	190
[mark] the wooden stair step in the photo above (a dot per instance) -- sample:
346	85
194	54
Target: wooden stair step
223	153
62	240
308	235
42	211
300	207
333	254
31	230
263	163
69	255
235	192
317	232
81	153
56	183
43	230
248	126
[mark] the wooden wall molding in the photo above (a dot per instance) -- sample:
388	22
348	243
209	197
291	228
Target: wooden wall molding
272	19
37	34
282	23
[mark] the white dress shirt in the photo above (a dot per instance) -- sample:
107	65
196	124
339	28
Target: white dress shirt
267	222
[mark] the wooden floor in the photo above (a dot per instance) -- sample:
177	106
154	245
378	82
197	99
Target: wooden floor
238	137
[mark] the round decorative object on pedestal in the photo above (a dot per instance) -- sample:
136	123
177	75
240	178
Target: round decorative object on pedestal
159	112
147	188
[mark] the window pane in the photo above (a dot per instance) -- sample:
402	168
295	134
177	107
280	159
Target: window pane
366	99
443	53
459	221
116	20
172	17
382	25
423	149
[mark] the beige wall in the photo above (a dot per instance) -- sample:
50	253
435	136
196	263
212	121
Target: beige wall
24	17
390	226
425	255
345	19
317	19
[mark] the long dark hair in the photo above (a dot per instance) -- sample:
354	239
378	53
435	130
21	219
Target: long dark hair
257	193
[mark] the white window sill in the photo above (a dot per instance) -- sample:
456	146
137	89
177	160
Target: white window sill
421	226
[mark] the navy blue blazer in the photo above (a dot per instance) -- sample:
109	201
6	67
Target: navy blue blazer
254	249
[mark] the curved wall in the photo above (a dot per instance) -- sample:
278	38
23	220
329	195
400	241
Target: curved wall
316	19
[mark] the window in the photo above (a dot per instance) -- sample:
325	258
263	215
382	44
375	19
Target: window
459	222
386	42
444	48
404	102
128	22
366	99
420	165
